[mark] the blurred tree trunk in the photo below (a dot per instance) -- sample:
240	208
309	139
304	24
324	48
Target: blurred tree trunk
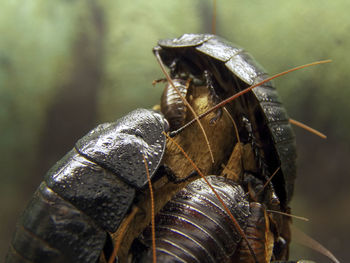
73	111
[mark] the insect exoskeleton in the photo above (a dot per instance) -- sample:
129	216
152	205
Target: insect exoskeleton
99	187
89	191
193	226
171	104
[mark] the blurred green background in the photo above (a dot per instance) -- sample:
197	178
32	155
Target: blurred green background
66	66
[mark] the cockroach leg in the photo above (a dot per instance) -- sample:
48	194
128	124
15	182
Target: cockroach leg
156	81
214	97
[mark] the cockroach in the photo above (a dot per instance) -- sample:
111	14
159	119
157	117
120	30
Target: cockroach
189	230
262	120
193	226
232	70
259	115
172	106
89	191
